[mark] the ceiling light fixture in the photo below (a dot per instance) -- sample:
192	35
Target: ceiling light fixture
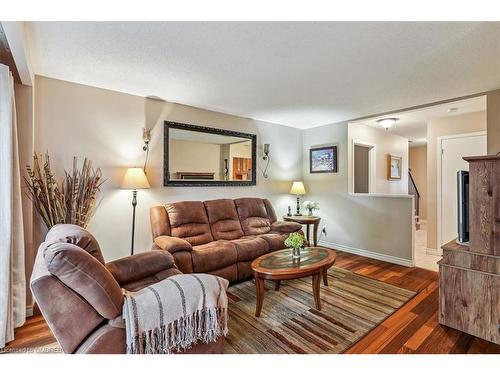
452	110
387	122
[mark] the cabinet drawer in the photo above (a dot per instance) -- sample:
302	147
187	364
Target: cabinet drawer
469	301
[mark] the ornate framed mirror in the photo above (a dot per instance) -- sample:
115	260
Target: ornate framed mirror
196	155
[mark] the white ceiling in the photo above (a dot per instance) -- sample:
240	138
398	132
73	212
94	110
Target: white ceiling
301	74
413	124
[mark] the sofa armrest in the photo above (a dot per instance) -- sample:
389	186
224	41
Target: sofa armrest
285	226
172	244
140	266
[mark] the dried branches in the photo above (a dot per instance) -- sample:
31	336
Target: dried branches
72	203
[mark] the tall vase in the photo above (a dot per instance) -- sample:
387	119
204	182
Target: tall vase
296	252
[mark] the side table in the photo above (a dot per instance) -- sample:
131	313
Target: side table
307	221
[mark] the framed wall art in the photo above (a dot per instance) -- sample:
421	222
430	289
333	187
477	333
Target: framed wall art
323	159
394	167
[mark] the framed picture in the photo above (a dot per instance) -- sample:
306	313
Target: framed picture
394	167
323	159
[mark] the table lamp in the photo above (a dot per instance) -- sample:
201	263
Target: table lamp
134	179
298	189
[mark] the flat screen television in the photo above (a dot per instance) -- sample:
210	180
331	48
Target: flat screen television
463	207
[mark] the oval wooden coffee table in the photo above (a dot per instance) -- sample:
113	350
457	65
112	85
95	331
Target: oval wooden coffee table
279	265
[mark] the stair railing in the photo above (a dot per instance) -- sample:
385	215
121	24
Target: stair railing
413	190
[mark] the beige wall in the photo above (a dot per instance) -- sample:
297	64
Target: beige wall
385	143
376	226
186	156
418	164
493	121
460	124
73	119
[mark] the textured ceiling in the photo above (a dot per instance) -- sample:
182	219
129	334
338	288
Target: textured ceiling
296	74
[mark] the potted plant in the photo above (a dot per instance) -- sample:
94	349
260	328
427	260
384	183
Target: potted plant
310	206
295	241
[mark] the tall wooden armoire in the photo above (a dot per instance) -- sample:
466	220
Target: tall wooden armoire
469	276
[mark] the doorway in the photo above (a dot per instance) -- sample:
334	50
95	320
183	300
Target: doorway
452	150
363	168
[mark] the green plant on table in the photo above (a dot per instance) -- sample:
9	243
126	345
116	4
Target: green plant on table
295	240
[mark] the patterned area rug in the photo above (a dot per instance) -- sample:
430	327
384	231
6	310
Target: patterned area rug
352	305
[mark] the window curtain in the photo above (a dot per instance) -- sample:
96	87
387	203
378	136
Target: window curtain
12	277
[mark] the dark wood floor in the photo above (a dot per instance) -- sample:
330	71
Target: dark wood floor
412	329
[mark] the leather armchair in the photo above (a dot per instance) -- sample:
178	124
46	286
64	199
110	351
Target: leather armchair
80	296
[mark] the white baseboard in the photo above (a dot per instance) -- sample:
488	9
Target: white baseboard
29	311
431	251
368	254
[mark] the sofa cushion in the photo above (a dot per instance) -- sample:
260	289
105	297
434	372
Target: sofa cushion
250	248
223	219
285	226
189	221
172	244
84	274
136	285
253	215
140	266
76	235
229	273
213	255
276	241
271	214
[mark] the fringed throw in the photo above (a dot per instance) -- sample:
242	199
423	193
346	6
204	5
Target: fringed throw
175	313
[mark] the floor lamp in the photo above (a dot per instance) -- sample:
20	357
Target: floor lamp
134	179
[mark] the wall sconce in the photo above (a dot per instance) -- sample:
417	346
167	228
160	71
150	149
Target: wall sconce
266	158
146	137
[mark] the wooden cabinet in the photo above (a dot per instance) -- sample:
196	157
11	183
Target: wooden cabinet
469	276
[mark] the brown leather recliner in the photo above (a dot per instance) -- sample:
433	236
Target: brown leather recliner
221	237
80	295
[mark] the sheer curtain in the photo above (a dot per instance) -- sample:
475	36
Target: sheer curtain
12	277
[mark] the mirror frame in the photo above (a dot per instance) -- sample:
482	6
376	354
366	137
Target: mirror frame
203	129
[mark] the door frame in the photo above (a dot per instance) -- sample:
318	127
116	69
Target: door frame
372	164
439	155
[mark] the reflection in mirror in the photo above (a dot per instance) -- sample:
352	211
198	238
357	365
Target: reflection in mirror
197	156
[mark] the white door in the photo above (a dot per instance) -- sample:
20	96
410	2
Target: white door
452	152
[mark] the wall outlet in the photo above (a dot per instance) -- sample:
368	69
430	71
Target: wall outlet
323	231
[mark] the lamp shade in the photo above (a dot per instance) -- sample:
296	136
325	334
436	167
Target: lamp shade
298	188
135	178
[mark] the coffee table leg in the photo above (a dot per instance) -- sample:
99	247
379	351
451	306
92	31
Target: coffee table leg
259	285
325	276
277	284
316	287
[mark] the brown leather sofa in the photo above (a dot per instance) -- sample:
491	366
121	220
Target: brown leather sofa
221	237
80	295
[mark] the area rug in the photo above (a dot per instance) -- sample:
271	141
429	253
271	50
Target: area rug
352	305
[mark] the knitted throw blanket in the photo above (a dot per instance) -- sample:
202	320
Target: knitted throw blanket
175	313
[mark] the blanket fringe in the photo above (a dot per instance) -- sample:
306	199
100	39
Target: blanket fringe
205	325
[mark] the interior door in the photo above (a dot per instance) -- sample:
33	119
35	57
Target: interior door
452	152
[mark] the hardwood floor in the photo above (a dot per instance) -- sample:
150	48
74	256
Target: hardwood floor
412	329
